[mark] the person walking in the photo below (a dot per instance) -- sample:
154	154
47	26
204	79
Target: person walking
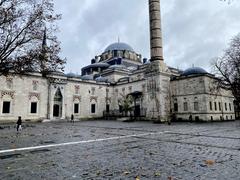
72	118
19	123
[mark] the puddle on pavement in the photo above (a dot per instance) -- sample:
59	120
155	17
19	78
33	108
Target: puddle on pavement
11	156
48	142
39	151
5	127
77	136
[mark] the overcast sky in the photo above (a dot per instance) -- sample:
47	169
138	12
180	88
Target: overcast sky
194	31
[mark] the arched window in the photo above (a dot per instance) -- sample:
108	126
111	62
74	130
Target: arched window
58	96
57	106
196	106
35	85
77	88
185	106
115	53
9	83
210	105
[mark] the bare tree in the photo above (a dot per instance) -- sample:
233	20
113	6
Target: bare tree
227	68
27	40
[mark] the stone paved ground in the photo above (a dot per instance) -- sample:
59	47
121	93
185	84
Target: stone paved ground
182	151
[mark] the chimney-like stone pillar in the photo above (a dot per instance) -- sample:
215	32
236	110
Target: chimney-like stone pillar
155	31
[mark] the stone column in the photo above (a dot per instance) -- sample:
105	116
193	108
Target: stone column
155	30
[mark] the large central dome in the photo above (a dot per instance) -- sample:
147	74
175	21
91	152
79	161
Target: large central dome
119	46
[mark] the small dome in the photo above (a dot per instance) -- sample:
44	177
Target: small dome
101	79
117	66
194	70
119	46
58	73
87	77
71	75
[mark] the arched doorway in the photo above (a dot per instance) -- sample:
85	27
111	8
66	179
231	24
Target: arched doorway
137	100
57	105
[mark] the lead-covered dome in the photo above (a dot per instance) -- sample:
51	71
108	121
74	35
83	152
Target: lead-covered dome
119	46
194	70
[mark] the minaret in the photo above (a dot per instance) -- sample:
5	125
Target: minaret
155	30
43	55
156	34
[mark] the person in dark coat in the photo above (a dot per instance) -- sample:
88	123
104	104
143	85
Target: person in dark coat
19	124
72	118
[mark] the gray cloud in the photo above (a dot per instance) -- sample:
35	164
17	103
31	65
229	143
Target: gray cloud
194	31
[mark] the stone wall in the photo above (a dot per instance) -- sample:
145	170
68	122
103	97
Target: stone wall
193	97
20	92
64	96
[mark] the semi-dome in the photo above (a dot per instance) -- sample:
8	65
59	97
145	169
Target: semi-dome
117	66
87	77
194	70
58	73
119	46
100	64
101	79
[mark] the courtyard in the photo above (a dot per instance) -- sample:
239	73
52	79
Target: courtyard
119	150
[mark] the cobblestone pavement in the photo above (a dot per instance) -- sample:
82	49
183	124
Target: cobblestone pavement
138	150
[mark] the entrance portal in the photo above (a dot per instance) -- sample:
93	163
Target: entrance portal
137	99
56	110
57	106
137	111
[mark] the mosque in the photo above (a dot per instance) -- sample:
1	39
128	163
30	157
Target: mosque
119	83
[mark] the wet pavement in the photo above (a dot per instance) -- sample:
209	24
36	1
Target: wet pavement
120	150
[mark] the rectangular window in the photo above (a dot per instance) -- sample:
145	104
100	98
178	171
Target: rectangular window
107	108
196	108
6	107
185	106
33	107
120	109
210	105
220	107
176	107
230	107
76	108
93	108
215	105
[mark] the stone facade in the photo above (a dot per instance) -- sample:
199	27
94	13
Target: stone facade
117	73
58	96
196	98
19	93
